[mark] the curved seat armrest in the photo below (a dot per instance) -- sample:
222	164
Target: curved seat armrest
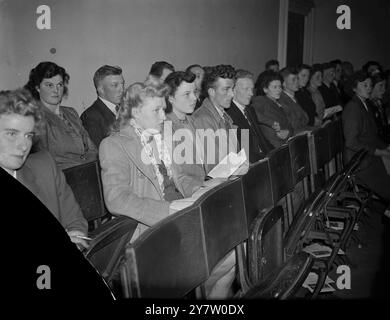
285	281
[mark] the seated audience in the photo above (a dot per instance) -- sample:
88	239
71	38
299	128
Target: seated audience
303	95
139	178
315	81
328	89
62	134
271	116
372	68
378	108
20	118
198	71
360	132
159	71
181	103
346	73
338	69
218	86
272	65
295	114
244	117
100	116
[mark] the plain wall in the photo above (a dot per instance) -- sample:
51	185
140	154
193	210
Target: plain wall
368	38
133	34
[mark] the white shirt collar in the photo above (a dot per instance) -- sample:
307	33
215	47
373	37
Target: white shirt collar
220	112
364	103
240	106
12	174
109	105
290	95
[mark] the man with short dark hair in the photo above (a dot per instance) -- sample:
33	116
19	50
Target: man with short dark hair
100	116
295	114
218	85
272	65
160	70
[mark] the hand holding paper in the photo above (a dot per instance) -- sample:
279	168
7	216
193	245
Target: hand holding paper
228	165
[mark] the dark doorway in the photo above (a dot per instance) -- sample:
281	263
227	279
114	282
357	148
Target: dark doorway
295	36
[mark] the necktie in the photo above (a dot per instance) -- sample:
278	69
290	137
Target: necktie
247	115
228	121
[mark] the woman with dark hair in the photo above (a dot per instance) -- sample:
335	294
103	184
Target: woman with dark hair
378	106
271	117
139	178
360	132
304	97
62	134
315	81
181	103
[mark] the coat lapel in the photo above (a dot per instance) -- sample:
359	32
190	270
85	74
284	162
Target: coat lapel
133	147
25	176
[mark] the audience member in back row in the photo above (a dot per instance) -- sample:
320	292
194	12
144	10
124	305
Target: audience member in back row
244	117
272	65
139	178
271	116
62	134
372	68
304	97
19	119
181	103
159	71
198	71
378	107
315	81
218	86
328	89
360	132
100	116
295	114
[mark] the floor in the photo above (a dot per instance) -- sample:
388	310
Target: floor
368	259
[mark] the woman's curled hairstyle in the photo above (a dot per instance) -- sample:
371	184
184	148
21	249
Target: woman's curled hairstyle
45	70
20	102
134	97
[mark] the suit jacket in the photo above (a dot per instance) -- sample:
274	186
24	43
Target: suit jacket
360	132
47	182
268	112
191	174
295	114
68	143
207	117
330	95
305	100
258	145
130	186
97	120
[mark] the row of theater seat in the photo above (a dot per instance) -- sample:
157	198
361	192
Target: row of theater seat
177	255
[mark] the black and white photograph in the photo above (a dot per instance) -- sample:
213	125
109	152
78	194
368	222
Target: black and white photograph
195	157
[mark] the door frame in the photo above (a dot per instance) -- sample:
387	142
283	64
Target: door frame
306	8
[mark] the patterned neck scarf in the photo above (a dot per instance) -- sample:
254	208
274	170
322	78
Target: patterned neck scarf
164	161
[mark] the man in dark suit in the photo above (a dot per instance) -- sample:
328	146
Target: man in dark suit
100	116
328	89
243	117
